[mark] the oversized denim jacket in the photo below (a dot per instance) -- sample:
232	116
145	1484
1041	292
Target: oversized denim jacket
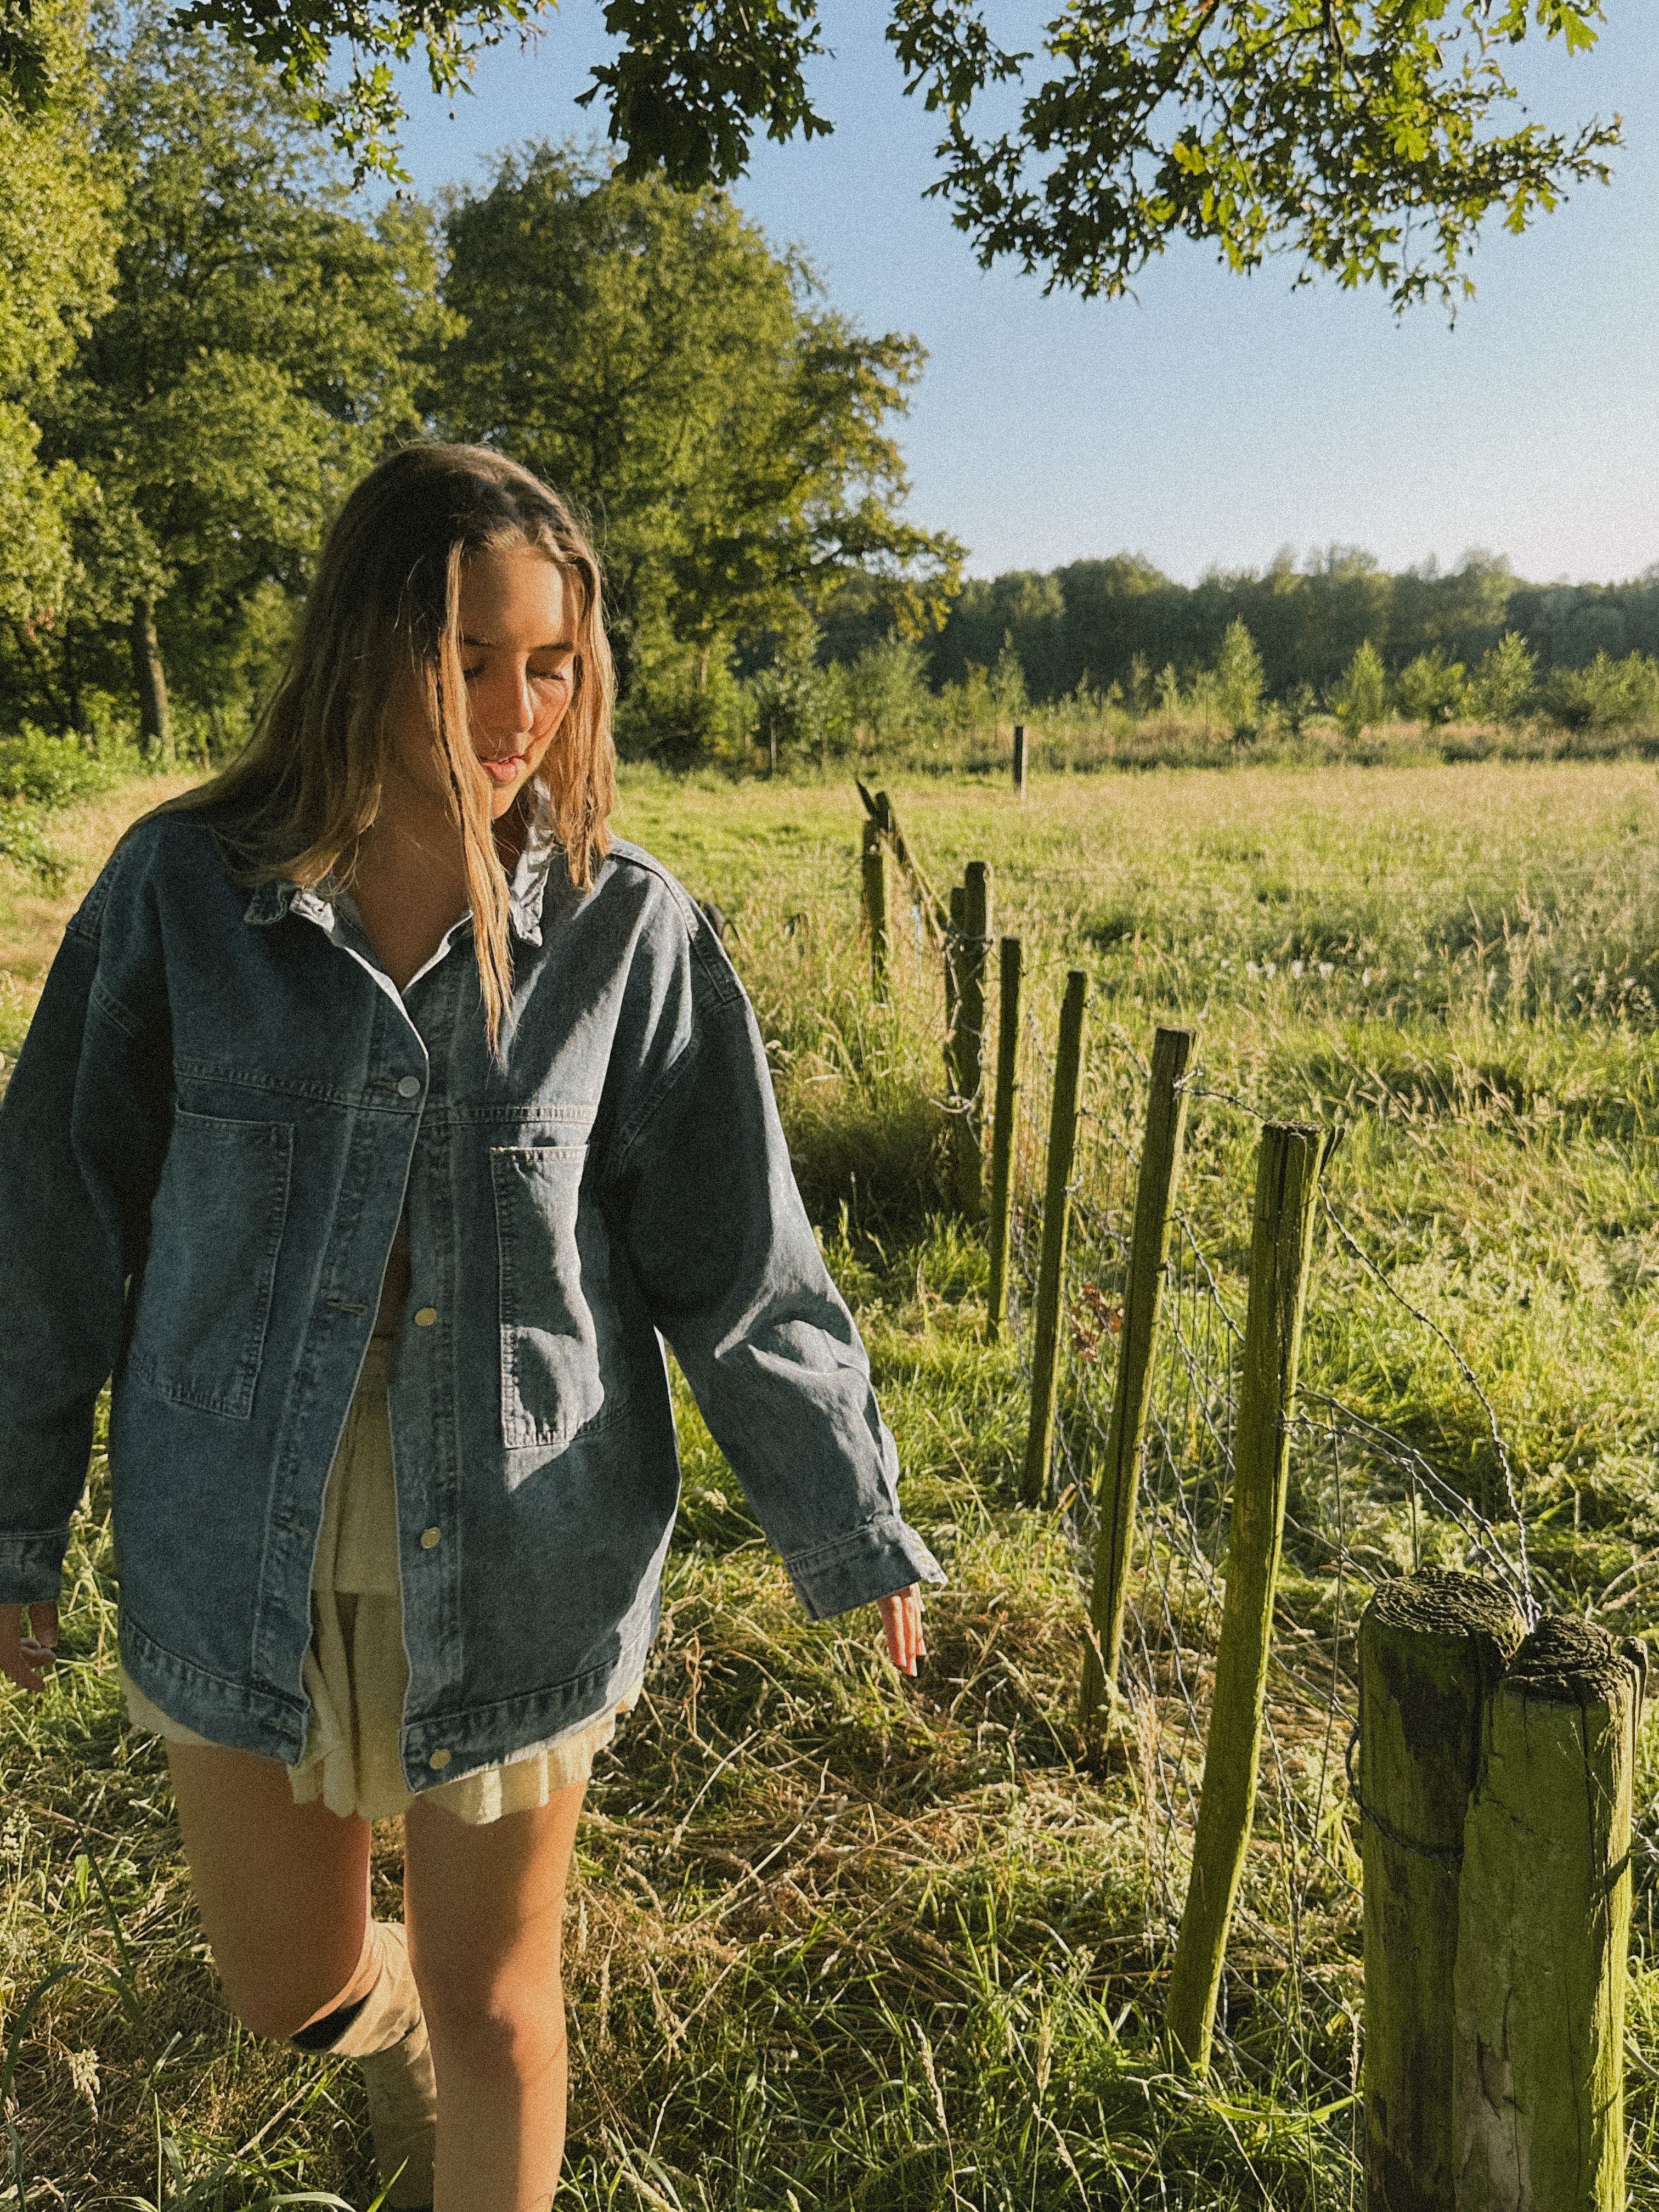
219	1114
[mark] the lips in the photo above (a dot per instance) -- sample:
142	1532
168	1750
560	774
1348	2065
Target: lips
502	768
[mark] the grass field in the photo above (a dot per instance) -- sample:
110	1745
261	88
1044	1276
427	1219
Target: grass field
842	1942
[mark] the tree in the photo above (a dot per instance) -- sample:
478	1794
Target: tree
1238	678
645	351
1361	698
56	250
261	348
1431	690
1503	684
1358	134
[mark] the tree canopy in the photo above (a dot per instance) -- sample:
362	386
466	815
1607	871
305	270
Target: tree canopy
1094	624
257	348
56	250
1365	137
724	429
232	344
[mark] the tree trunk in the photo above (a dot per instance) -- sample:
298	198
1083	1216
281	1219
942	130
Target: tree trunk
72	689
155	724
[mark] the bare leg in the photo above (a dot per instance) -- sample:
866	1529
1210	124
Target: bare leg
282	1889
483	1907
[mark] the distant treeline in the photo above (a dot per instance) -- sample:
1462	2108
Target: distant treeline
1097	625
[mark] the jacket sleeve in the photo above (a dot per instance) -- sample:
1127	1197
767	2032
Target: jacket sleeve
82	1124
719	1243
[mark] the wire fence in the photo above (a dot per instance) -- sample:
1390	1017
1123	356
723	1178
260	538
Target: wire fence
1364	1504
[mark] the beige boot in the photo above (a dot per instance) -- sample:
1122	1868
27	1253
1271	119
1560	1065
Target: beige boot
388	2041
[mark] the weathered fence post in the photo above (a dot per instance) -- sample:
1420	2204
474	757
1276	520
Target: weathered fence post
1019	760
1051	1263
880	807
1433	1647
970	1037
875	905
1143	1295
953	979
1543	1929
1281	1243
1002	1132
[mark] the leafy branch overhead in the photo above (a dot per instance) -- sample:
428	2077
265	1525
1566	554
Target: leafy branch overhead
1359	138
1371	139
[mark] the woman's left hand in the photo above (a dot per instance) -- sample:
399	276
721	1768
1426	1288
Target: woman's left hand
901	1616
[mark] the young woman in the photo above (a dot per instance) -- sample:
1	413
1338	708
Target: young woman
379	1113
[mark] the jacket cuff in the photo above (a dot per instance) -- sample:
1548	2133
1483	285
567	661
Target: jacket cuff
32	1566
883	1557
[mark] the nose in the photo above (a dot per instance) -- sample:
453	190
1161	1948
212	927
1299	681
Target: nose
503	707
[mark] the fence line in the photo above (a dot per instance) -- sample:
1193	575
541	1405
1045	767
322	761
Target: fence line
1364	1505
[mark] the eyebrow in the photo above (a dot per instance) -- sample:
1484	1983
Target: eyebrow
553	645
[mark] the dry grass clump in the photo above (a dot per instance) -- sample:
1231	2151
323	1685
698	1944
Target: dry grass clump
33	911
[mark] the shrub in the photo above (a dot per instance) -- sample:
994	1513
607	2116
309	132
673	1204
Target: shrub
1608	695
22	843
1361	697
49	771
1501	686
887	701
1431	688
1239	680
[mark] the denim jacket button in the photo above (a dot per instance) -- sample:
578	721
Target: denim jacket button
438	1759
430	1538
426	1317
409	1086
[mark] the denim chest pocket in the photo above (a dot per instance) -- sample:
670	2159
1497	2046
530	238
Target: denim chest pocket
553	1266
216	1233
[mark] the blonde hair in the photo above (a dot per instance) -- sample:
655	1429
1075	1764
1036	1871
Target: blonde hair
384	607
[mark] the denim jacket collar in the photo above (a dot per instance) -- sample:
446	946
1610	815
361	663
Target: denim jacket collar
526	886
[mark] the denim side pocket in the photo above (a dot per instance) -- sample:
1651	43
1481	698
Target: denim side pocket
216	1232
551	1380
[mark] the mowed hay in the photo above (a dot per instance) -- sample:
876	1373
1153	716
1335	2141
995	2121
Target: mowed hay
880	1945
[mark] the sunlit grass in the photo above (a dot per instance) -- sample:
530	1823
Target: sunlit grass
838	1942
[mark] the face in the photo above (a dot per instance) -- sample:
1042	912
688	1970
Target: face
518	658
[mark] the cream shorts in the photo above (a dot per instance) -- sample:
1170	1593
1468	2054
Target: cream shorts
355	1672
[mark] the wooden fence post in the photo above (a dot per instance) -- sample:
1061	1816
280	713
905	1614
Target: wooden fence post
1543	1929
1051	1264
970	1037
953	979
1019	760
1143	1296
1432	1648
880	809
1281	1244
1002	1132
875	905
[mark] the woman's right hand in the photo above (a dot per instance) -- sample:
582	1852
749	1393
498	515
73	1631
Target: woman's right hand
27	1653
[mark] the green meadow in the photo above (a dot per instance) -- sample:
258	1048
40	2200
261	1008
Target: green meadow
840	1941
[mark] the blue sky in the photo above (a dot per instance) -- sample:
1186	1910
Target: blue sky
1214	418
